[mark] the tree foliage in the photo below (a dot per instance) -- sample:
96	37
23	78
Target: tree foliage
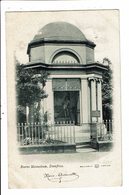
29	87
107	90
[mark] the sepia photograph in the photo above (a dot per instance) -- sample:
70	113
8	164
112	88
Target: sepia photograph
63	73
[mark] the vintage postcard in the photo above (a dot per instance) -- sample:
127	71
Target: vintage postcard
63	89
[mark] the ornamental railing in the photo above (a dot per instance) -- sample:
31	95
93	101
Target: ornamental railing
102	131
62	132
39	134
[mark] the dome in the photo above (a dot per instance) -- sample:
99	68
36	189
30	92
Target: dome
60	31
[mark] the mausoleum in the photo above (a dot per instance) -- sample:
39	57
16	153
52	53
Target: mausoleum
74	84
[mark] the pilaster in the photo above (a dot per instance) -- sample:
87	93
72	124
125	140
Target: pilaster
49	101
84	101
93	98
99	99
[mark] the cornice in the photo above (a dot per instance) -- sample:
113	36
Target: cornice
35	43
85	67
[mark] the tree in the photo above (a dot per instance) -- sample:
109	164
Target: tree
107	90
29	89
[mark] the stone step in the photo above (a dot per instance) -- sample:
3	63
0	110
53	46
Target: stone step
85	150
83	146
83	143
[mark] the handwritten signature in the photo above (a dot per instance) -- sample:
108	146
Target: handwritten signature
61	177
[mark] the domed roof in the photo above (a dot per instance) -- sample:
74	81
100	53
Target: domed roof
60	31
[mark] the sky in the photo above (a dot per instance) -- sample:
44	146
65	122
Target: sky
101	27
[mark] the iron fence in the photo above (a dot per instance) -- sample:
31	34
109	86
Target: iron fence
38	133
62	132
102	131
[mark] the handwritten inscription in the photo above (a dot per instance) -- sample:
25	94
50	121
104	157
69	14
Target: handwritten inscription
61	177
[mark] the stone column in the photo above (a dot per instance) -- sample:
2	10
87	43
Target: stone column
99	99
27	114
44	101
49	100
41	111
31	114
84	101
93	98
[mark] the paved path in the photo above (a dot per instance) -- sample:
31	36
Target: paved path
85	155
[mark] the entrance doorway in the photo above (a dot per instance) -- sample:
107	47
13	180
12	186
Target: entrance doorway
67	106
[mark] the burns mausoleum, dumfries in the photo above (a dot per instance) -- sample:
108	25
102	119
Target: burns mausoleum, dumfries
74	81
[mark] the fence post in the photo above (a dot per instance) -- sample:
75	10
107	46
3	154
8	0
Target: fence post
74	132
70	133
107	125
22	137
67	133
64	131
29	126
38	132
35	139
57	131
96	131
110	127
18	133
42	132
32	133
61	130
